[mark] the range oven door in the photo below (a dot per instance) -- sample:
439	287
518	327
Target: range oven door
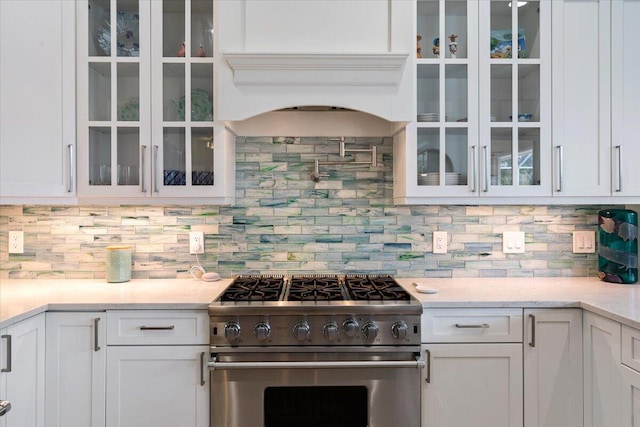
315	389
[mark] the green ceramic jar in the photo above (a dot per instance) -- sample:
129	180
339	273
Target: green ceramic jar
618	246
118	266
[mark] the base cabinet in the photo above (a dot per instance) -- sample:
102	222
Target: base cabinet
160	386
472	385
22	358
76	361
553	368
601	371
631	397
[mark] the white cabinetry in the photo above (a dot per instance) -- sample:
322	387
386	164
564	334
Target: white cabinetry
601	371
581	98
22	360
76	361
625	96
157	368
483	100
145	104
476	378
282	54
37	105
553	368
630	396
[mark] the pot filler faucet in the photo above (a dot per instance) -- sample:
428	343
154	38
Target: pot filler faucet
316	175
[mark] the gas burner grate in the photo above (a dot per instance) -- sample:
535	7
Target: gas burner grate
376	288
254	288
315	288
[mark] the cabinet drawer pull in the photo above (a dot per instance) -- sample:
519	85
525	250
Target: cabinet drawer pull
478	326
96	347
560	168
72	168
157	328
155	169
619	160
532	343
8	368
143	171
202	368
487	170
428	378
474	161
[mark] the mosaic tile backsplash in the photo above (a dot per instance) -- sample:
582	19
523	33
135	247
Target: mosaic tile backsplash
285	223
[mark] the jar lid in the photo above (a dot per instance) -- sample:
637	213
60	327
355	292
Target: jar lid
118	247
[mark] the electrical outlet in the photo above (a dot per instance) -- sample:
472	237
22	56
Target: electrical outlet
513	242
584	242
196	242
16	242
439	242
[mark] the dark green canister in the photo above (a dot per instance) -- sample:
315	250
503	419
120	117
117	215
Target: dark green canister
618	245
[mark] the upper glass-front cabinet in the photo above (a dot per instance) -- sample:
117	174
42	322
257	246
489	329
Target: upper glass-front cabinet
515	96
145	100
482	123
446	96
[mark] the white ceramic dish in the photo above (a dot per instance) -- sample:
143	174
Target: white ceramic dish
424	288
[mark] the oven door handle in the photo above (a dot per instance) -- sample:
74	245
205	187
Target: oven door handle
419	363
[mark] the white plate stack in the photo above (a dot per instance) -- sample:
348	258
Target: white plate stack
429	117
450	178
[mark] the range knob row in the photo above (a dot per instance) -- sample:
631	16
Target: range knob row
331	331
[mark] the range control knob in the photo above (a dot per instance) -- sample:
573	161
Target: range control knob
232	331
262	331
350	328
301	331
331	331
399	330
370	330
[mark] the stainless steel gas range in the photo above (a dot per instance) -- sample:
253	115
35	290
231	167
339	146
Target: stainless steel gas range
317	351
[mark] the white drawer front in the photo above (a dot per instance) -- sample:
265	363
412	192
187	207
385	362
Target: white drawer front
157	327
631	347
472	325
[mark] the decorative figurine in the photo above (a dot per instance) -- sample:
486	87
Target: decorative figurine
418	48
182	51
436	47
201	53
453	46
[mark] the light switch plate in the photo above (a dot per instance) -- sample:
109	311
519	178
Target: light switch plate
513	242
584	242
439	242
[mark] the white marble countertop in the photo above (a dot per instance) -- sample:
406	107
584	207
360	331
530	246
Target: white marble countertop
614	301
20	299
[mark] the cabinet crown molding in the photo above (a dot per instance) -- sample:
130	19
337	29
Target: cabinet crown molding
321	69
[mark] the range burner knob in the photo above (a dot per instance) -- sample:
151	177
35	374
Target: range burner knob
262	331
232	331
399	330
301	331
350	328
370	330
331	331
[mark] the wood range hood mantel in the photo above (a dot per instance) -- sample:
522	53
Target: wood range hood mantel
321	69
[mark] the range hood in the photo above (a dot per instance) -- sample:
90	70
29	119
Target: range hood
349	54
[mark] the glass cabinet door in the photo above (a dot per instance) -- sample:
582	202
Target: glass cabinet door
183	150
447	112
113	105
514	96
